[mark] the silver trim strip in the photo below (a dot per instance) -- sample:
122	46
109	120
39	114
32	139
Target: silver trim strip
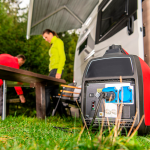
89	55
106	5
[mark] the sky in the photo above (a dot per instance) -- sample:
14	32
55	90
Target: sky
24	3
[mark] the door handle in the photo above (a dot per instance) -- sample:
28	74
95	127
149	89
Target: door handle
130	25
86	51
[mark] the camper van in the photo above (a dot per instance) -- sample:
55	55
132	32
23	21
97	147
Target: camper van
118	22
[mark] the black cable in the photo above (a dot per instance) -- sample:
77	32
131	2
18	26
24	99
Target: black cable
92	122
97	107
63	129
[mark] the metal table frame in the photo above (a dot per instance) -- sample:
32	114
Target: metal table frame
5	85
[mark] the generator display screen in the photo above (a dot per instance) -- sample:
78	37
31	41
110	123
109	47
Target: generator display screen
110	67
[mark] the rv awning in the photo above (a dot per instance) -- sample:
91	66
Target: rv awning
58	15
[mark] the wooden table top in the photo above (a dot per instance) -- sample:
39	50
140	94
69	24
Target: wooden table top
12	74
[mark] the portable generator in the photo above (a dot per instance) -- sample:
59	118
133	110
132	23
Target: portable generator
102	76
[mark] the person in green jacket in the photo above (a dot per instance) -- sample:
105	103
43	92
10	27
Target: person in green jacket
56	66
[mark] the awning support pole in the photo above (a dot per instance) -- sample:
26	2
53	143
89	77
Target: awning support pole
29	19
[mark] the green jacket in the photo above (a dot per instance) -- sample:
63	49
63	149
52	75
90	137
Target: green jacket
57	55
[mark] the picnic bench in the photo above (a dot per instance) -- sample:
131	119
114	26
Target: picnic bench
34	79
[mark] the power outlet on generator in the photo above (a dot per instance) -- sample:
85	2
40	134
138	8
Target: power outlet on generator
93	105
125	95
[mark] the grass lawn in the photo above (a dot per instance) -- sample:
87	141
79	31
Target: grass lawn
31	133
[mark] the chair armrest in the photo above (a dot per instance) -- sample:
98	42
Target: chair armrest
68	86
64	91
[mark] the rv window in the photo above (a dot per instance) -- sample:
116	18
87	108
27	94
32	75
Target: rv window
83	45
111	14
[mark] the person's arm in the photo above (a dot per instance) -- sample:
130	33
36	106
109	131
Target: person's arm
1	82
62	59
17	88
20	94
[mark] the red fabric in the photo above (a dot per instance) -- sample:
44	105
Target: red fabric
146	86
10	61
146	89
126	52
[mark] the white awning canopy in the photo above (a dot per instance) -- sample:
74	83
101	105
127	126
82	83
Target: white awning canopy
58	15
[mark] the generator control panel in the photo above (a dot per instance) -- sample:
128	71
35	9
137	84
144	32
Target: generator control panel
115	94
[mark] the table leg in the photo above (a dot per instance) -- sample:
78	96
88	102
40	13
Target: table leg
7	109
40	101
4	99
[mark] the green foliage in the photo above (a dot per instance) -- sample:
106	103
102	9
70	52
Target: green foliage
36	52
13	41
13	25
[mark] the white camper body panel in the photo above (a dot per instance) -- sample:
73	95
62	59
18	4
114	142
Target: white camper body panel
133	43
85	31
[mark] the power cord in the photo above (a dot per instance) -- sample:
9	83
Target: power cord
102	95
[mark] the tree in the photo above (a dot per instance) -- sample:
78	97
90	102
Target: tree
13	41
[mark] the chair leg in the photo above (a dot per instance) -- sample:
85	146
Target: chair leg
70	111
54	110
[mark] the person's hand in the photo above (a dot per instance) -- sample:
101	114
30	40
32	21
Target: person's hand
58	76
22	98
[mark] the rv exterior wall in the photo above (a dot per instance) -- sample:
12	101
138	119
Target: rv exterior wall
129	43
79	63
